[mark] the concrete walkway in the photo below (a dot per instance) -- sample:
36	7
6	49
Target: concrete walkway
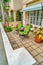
3	60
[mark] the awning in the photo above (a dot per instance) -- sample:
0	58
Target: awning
32	7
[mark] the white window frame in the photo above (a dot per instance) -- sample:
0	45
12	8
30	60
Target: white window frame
39	18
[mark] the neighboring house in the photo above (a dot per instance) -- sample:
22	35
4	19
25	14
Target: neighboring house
15	6
32	12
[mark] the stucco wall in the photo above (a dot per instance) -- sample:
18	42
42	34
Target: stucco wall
18	4
11	4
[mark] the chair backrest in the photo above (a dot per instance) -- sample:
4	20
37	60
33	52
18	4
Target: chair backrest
27	29
19	26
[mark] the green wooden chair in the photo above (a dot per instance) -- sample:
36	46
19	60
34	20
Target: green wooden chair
26	31
18	27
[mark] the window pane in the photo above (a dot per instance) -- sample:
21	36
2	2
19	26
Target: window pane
35	17
31	20
34	20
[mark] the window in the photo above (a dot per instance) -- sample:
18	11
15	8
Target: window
35	17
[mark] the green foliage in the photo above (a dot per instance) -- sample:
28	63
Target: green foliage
17	16
6	1
7	28
1	20
9	19
12	18
6	8
0	7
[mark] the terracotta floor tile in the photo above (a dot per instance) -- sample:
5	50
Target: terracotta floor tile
19	43
12	43
20	46
39	58
15	47
34	46
26	45
11	38
28	41
29	49
23	42
37	44
41	48
38	50
31	44
34	53
41	54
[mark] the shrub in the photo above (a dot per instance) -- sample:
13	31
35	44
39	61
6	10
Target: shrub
7	28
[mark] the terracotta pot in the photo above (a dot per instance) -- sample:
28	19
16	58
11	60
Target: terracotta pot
37	39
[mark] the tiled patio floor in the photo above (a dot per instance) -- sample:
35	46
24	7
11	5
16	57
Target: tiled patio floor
35	49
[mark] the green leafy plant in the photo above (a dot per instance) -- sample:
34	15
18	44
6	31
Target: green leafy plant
17	16
0	7
38	32
6	0
7	28
1	20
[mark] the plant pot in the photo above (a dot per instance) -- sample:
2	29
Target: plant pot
37	39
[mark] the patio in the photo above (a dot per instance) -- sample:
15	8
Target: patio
35	49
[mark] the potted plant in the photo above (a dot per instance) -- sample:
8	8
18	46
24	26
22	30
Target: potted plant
38	35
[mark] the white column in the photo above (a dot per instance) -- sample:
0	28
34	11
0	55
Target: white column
24	23
14	16
2	11
42	22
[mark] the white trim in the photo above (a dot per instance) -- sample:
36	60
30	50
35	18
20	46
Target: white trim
7	46
42	22
24	23
36	26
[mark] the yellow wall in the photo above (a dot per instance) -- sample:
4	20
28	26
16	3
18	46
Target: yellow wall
34	2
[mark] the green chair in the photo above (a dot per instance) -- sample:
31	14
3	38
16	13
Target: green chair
18	27
26	31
